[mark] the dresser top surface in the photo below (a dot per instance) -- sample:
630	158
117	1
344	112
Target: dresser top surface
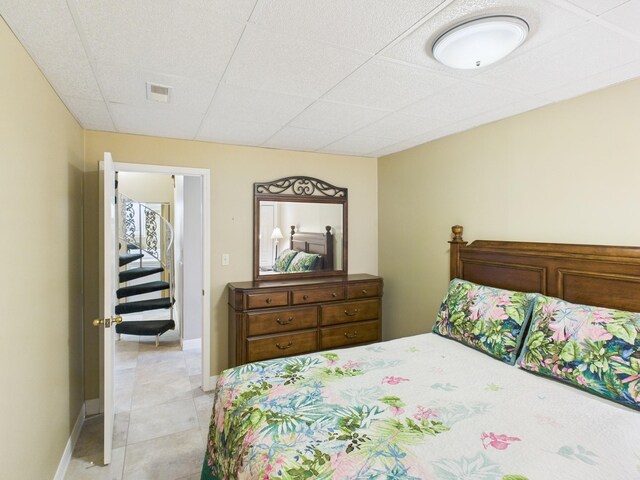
254	285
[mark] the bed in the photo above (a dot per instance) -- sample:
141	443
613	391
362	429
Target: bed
430	407
309	251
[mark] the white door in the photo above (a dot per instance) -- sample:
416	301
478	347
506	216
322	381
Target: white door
108	245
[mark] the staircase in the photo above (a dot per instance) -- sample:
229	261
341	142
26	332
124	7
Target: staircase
147	243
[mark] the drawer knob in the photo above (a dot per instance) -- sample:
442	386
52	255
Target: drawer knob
364	292
269	301
305	297
355	312
351	335
284	347
334	294
284	322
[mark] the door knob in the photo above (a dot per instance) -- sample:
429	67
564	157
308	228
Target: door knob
106	322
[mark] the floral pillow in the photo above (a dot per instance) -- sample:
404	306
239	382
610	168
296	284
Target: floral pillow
594	348
284	259
488	319
303	262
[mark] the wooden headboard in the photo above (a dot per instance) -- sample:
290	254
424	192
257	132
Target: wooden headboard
588	274
320	243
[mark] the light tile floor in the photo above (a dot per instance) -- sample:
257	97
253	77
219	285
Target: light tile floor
162	416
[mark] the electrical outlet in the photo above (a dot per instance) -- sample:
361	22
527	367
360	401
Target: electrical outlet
225	259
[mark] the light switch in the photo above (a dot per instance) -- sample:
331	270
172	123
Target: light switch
225	259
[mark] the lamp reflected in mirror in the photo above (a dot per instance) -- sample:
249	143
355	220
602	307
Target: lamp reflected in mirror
277	236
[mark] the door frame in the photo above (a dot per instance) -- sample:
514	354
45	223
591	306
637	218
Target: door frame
208	382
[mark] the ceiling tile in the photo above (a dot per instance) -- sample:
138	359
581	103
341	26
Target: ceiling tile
396	147
47	30
363	25
278	63
125	84
357	145
499	113
43	25
388	85
156	121
221	129
594	82
301	139
239	10
71	76
546	21
432	135
92	115
586	51
187	38
626	16
336	117
462	101
396	126
247	105
598	7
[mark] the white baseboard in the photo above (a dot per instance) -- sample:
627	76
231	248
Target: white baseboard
210	383
191	344
92	407
71	443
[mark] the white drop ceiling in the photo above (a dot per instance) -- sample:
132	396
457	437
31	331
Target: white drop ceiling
350	77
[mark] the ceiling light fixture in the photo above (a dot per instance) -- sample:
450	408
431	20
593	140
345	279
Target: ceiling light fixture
480	42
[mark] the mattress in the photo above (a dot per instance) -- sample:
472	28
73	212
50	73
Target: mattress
421	407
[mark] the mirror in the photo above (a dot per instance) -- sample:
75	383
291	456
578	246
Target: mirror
300	229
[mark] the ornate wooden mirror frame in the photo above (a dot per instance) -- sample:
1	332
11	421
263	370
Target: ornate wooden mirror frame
302	190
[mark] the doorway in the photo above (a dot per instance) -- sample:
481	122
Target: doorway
197	199
160	390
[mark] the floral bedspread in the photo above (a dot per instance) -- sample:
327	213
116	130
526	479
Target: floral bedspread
421	407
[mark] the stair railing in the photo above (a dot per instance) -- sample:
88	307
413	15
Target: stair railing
144	234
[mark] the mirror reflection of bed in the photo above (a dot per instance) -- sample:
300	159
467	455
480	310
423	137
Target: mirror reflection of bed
302	252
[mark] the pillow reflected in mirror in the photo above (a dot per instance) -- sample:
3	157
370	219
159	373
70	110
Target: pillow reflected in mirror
284	260
303	262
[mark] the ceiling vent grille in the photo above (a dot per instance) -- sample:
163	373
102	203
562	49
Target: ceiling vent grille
158	93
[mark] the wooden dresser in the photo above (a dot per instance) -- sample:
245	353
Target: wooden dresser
281	318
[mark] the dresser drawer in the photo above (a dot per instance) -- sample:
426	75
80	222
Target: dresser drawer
349	312
315	295
265	300
364	332
281	321
364	290
281	345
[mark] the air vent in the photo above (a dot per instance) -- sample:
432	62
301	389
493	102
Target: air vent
158	93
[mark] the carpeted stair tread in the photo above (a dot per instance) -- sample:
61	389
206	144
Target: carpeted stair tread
141	288
126	258
143	305
132	246
134	273
145	327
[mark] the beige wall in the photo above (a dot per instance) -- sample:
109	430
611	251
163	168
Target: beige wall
234	169
41	243
568	172
146	187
